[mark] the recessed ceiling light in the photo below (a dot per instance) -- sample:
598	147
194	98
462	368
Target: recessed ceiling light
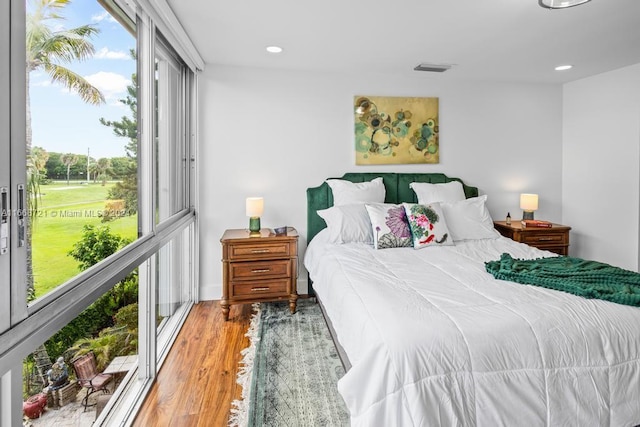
274	49
563	67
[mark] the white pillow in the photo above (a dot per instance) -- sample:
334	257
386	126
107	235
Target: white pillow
431	193
347	192
469	219
348	224
389	226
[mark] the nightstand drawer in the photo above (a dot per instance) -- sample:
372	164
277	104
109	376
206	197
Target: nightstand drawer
259	289
544	238
259	269
265	250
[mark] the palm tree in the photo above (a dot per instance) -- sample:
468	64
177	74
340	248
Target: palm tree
69	160
103	165
48	49
36	163
93	170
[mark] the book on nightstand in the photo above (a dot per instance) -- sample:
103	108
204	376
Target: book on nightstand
536	223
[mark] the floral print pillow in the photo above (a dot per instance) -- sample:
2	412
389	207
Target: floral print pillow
427	224
390	226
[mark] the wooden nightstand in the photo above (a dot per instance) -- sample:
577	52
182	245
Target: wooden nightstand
259	268
554	239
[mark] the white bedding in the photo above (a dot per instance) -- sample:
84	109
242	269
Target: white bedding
434	340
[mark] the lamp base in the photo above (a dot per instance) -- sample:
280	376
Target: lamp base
254	226
527	215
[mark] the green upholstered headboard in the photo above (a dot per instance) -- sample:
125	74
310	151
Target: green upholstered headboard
396	186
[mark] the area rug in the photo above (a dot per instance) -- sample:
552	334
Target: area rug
290	371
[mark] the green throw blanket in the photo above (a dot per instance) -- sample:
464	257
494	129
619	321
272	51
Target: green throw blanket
588	279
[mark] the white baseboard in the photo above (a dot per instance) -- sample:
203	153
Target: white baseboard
211	291
303	286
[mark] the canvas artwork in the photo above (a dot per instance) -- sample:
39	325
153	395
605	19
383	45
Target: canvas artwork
396	130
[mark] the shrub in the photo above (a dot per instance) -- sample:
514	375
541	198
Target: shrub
97	243
119	340
127	317
126	190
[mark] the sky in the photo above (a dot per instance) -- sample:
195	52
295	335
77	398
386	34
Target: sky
61	121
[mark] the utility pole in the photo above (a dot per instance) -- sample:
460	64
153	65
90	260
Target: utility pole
88	161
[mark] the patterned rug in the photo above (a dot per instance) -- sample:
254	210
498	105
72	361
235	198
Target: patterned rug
290	371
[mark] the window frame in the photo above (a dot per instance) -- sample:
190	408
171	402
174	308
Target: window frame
31	325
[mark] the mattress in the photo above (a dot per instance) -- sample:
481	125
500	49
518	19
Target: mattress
433	339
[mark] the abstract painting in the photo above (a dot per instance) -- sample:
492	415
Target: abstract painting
396	130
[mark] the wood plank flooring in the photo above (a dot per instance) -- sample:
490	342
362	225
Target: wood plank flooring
197	382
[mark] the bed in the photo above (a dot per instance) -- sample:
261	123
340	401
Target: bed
429	338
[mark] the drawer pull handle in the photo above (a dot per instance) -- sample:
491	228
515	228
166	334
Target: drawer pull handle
259	289
545	239
260	251
261	270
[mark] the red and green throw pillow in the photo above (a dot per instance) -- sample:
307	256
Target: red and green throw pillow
427	225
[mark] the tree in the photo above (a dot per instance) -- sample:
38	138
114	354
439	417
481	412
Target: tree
48	48
120	167
39	156
55	168
96	244
36	169
103	166
93	170
69	160
79	170
127	127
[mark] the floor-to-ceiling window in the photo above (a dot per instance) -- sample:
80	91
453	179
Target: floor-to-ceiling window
97	128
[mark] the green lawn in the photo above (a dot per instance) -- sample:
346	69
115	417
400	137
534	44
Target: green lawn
62	212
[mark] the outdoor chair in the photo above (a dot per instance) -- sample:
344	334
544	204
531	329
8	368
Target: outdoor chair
88	376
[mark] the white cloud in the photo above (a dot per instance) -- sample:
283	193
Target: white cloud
111	85
105	53
41	83
102	16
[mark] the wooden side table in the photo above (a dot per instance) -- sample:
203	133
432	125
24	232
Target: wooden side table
119	367
554	239
259	268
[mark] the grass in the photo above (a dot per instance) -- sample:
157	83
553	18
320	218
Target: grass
62	212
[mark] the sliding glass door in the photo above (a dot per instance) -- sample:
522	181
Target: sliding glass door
5	166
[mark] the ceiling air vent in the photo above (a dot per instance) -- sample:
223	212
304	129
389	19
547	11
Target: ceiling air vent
434	68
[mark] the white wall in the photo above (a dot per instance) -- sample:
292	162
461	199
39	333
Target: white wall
601	160
275	133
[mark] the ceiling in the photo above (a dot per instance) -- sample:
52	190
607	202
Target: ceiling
497	40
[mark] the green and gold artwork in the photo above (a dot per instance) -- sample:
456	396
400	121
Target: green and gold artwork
395	130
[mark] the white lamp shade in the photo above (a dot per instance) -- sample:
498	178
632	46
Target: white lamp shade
560	4
255	207
529	202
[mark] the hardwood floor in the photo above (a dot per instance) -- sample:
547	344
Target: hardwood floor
197	382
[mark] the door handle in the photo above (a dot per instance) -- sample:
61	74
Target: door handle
21	215
4	220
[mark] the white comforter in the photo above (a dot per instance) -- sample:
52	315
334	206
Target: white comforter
434	340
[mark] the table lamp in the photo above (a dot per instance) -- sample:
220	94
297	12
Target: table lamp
528	204
254	209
